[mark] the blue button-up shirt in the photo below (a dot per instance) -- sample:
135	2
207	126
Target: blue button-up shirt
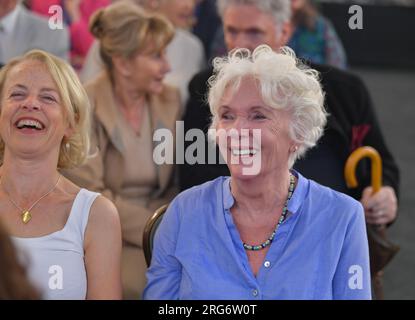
319	252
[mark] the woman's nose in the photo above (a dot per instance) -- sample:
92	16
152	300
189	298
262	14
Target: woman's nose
165	64
240	129
241	123
31	103
241	40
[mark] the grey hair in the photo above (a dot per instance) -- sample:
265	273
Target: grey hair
284	84
279	9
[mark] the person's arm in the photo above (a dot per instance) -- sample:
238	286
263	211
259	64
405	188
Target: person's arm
376	139
164	274
380	208
352	277
103	251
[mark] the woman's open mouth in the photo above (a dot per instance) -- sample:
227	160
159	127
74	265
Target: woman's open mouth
243	152
29	125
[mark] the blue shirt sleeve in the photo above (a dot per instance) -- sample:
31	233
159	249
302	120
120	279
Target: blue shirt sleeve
164	274
352	277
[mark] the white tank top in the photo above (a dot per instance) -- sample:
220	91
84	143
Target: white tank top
55	262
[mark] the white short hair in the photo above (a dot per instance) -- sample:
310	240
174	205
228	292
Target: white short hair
279	9
284	84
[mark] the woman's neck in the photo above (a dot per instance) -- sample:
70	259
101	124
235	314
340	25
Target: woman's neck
127	96
27	179
262	194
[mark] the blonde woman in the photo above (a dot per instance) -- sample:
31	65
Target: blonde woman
130	103
69	237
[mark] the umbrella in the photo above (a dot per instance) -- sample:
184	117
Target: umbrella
381	251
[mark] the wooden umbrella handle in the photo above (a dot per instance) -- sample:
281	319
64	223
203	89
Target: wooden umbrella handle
352	161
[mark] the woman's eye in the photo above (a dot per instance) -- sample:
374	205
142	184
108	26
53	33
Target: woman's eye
157	55
16	94
255	34
226	116
49	98
259	116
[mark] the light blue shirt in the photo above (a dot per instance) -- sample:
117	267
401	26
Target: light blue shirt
319	252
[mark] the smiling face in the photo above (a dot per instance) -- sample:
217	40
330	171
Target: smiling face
245	109
32	120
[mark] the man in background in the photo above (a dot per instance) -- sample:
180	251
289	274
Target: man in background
22	31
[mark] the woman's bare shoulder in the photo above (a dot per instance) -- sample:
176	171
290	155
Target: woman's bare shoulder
103	214
102	209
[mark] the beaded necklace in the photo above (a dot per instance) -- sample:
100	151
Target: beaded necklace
267	242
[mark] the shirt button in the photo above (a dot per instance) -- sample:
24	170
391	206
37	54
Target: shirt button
255	292
267	264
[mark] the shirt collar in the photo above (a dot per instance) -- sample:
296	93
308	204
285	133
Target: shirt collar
9	21
228	199
299	194
294	204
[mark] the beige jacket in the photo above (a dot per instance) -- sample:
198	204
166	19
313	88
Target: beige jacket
99	175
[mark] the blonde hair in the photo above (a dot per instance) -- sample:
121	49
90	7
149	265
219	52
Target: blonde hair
74	149
284	84
125	30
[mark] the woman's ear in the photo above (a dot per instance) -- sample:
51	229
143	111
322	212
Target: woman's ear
68	132
122	66
294	148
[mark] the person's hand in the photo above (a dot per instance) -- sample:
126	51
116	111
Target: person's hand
381	207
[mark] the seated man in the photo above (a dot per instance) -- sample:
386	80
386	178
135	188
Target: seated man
22	30
351	123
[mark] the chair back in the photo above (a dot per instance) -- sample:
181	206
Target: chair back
150	230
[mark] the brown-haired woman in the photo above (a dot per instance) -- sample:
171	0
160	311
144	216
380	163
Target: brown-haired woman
130	103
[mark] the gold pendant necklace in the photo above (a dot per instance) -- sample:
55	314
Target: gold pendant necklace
25	214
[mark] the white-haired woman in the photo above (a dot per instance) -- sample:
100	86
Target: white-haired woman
69	237
267	233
